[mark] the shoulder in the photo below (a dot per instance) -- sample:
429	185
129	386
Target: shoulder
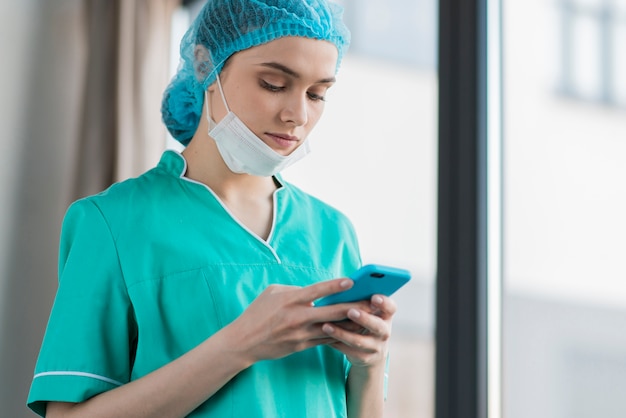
127	202
313	223
122	196
321	221
313	205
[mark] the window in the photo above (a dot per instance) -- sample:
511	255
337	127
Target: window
593	58
565	198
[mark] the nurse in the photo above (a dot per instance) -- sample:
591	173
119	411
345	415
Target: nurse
189	290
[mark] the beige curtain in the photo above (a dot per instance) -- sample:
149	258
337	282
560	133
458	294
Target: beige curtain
127	72
82	85
143	71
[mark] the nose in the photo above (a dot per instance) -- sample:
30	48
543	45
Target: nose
295	110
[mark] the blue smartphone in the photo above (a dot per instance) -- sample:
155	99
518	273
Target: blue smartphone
369	280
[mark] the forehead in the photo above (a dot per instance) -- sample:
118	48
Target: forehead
311	58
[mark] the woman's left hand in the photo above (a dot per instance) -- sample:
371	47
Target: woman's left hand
364	340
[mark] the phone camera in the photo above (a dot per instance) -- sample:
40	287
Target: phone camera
377	275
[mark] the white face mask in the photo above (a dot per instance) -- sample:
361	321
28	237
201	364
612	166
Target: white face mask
242	150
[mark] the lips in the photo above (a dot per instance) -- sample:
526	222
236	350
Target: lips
283	141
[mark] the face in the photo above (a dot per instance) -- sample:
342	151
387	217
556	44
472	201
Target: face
278	89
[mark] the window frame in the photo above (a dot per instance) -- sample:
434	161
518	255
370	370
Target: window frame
469	237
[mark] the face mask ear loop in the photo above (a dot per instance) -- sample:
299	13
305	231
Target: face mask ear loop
206	105
219	85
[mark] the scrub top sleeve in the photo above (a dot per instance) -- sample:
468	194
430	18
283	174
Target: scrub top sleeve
87	347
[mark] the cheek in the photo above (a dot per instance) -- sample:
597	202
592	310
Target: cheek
262	112
315	114
255	109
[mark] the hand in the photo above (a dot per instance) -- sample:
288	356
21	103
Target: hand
366	342
282	320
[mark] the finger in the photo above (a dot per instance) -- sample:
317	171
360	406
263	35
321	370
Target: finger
372	323
316	332
315	291
357	341
323	340
349	326
356	356
364	305
280	288
316	342
330	313
384	306
338	312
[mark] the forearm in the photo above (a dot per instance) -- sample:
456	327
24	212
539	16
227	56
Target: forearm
173	390
365	393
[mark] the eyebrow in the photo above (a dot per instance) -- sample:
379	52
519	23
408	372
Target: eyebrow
292	73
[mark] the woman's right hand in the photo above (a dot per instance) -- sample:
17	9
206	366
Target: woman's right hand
283	320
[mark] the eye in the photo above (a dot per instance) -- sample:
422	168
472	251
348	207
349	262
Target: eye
316	97
271	87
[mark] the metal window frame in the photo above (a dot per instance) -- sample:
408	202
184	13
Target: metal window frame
469	248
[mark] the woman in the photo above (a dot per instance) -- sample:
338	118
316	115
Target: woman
189	291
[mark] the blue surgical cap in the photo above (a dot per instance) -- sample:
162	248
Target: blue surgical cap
225	27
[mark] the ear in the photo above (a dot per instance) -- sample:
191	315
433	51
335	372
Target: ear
202	64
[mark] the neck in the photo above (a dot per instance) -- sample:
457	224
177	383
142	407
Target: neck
205	165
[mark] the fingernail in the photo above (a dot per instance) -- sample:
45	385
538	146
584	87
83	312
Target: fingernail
377	300
345	284
328	329
354	314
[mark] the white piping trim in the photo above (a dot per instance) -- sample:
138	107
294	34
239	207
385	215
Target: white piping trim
81	374
255	236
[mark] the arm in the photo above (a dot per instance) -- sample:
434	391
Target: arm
171	391
367	351
365	392
279	322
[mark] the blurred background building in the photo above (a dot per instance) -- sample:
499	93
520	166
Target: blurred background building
81	84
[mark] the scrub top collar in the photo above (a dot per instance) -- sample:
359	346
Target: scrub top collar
174	163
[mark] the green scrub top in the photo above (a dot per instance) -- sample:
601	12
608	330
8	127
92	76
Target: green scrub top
151	267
